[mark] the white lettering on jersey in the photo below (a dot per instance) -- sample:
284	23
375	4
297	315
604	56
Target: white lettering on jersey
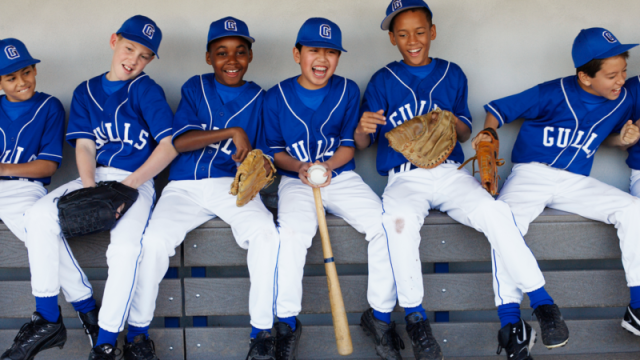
295	147
407	107
576	143
422	104
33	157
391	118
563	142
126	134
4	158
143	141
563	139
547	140
101	139
214	145
585	147
111	138
319	155
225	149
18	153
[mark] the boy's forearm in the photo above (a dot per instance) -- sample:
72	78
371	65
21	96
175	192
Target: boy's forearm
286	162
491	122
362	140
86	161
160	158
343	155
195	140
33	169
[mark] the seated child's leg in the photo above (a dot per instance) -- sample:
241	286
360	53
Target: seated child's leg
16	197
298	224
178	211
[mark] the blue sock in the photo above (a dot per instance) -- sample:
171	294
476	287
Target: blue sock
418	308
635	297
48	308
106	337
539	297
255	331
291	321
509	314
134	331
386	317
84	306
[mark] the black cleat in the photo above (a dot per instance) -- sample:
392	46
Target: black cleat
517	340
263	347
287	340
631	321
103	352
35	336
90	324
140	348
388	342
425	346
553	329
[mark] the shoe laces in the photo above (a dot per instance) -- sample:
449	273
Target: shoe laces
145	349
422	334
391	337
27	332
262	346
285	344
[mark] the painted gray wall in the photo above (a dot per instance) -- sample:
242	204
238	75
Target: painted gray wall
504	46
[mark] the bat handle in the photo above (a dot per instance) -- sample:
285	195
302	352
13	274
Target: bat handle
338	311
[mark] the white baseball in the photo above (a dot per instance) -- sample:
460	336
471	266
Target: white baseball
316	174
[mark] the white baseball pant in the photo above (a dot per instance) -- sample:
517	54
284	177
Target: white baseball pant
44	238
16	197
634	186
407	200
185	205
530	187
349	198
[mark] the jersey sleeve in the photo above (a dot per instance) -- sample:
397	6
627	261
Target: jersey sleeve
351	118
374	101
79	126
273	133
53	137
461	107
523	105
156	112
186	117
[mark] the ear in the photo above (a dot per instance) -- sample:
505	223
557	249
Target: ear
208	58
113	40
392	38
296	55
250	56
433	32
584	78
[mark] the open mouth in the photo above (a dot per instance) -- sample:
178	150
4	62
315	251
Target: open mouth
319	71
232	73
616	91
414	52
127	69
24	90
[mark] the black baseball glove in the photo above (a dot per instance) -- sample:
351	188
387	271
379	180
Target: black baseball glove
95	209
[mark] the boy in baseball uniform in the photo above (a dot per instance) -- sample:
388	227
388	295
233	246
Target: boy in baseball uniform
310	119
32	125
120	126
566	120
633	160
396	93
218	121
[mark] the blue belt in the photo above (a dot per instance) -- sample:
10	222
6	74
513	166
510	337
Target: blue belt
20	179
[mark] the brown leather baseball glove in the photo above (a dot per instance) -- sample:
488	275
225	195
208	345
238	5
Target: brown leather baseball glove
252	177
488	162
425	140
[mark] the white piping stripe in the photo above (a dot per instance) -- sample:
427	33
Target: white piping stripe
162	132
463	117
497	113
277	147
50	155
294	114
25	125
100	153
326	142
4	141
82	132
405	85
436	85
92	98
575	131
195	170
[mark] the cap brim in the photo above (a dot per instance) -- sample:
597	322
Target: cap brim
321	44
140	40
248	38
387	21
17	66
615	51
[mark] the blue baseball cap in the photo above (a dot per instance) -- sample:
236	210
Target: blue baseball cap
596	43
142	30
400	5
320	32
228	26
14	56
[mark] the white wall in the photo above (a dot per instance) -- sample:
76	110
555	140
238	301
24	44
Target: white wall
504	46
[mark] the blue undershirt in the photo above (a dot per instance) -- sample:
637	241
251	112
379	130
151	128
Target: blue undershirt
109	86
228	93
14	110
311	98
420	71
590	101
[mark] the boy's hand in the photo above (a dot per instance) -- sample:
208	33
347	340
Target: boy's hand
304	175
369	122
478	139
630	133
267	166
242	143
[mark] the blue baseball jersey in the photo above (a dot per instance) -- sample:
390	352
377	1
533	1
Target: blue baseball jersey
35	135
403	96
633	87
202	109
559	130
309	135
126	125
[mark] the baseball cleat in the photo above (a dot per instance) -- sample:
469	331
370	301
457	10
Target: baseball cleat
425	346
141	348
90	324
388	342
631	321
35	336
553	329
263	347
517	340
103	352
287	340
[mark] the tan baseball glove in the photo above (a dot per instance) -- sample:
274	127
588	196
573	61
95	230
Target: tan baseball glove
488	162
252	177
425	140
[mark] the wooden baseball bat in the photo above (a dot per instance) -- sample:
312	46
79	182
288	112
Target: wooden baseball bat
338	312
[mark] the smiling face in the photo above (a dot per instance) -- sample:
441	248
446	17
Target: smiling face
317	65
20	85
129	59
412	34
608	81
230	57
